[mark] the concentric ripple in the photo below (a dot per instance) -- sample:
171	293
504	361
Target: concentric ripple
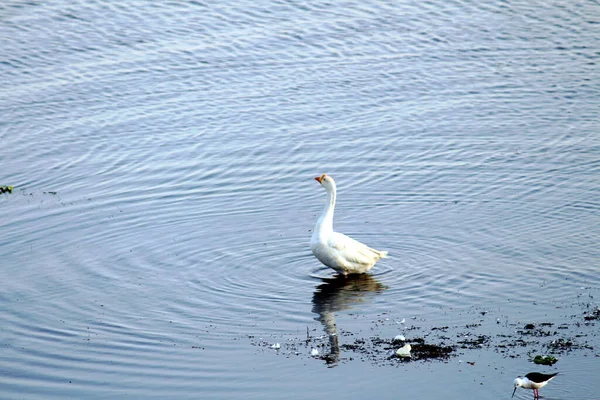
163	157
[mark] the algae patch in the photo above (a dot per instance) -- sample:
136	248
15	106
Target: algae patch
545	360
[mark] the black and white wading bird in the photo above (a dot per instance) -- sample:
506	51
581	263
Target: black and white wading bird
533	380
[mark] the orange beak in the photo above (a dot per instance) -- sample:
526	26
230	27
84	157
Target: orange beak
320	178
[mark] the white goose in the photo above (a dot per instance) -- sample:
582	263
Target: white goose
336	250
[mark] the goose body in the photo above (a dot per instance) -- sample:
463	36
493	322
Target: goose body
336	250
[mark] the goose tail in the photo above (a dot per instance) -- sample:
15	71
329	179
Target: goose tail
379	253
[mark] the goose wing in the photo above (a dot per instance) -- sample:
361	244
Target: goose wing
353	251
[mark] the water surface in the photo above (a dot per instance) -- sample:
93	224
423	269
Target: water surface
163	157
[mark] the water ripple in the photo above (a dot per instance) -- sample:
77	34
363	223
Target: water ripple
163	157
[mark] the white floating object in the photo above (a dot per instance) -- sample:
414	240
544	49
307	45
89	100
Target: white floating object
400	337
276	346
314	352
404	351
403	320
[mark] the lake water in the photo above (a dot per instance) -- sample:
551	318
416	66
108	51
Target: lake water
163	156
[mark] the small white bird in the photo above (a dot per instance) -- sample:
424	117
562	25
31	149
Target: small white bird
336	250
533	380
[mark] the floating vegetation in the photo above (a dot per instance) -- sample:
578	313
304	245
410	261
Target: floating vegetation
545	360
6	189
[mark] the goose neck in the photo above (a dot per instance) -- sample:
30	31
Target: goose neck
326	220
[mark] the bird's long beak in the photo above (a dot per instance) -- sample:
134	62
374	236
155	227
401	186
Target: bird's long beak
514	392
319	178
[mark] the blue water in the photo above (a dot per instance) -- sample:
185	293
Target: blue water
163	157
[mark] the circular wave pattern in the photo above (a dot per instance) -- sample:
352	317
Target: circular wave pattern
163	156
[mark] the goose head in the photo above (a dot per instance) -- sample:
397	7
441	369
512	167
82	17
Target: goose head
327	182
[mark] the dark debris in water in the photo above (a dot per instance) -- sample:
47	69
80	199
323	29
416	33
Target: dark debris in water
426	351
565	345
592	315
475	342
441	343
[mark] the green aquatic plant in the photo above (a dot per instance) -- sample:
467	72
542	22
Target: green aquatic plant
4	189
545	360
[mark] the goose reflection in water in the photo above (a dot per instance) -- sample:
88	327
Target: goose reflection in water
337	294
